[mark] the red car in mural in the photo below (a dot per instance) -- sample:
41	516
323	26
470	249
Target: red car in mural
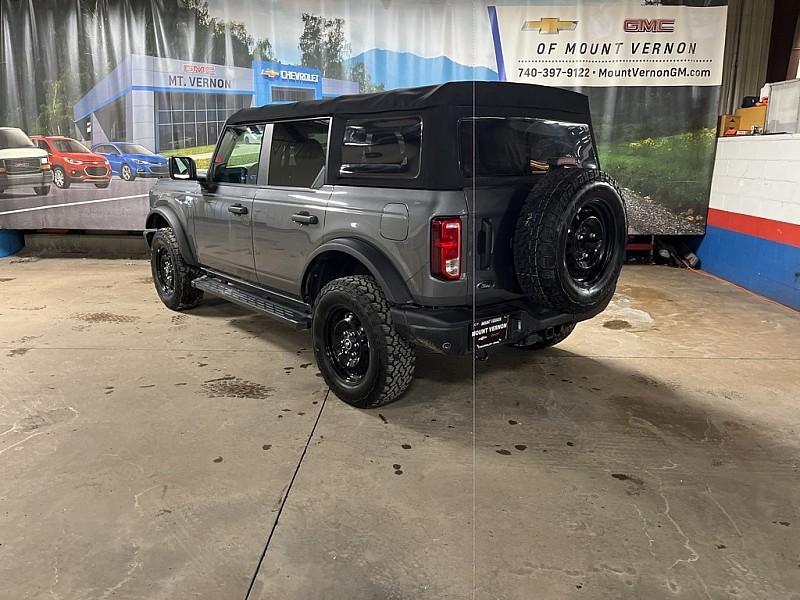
73	162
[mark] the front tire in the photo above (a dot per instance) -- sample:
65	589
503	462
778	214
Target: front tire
360	354
172	276
126	173
42	190
102	186
60	178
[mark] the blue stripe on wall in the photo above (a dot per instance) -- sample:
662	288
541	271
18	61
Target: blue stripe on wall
762	266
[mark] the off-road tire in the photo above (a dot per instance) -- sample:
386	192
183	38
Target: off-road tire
65	182
42	190
558	337
391	358
183	295
542	233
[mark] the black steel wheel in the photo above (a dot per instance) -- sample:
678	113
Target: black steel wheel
164	271
172	276
590	243
361	356
347	345
569	242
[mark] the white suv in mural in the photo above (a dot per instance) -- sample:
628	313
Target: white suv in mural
22	163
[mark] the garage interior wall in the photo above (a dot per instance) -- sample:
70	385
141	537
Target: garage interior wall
747	45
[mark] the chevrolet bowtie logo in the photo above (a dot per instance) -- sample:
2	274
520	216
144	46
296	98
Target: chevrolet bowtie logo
271	73
549	25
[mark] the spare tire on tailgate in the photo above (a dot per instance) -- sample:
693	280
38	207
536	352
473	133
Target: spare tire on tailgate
569	242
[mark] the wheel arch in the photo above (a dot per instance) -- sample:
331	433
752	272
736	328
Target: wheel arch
164	216
321	268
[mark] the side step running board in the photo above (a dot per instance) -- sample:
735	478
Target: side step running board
264	304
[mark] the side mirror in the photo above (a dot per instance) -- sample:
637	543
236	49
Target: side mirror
182	168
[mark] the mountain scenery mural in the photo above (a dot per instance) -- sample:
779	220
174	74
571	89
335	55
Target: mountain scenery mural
403	69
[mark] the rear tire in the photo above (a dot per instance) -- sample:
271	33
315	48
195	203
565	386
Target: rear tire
172	276
545	342
362	358
569	243
42	190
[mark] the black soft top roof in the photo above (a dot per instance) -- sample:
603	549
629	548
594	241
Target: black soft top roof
480	94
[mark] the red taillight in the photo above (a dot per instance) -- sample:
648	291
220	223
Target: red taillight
446	248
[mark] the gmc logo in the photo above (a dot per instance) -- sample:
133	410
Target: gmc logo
649	25
199	69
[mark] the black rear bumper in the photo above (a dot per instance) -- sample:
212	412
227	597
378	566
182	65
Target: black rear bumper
449	330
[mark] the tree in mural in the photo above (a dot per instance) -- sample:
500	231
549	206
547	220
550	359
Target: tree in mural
323	45
359	74
55	113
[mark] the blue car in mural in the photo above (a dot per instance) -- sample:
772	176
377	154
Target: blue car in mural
130	161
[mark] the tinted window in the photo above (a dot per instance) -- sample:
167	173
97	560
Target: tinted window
134	149
511	146
297	155
380	147
106	150
69	146
14	138
238	155
43	145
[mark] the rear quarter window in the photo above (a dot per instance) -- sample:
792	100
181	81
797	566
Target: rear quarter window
387	147
518	146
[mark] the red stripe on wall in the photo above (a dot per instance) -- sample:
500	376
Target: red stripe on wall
766	229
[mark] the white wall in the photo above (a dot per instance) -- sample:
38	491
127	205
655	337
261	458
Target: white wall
758	176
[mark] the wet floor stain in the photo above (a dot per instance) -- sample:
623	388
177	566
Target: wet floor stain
18	352
521	447
6	279
784	523
105	317
234	387
636	485
504	452
617	324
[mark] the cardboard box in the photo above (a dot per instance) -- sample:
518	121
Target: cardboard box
748	117
726	123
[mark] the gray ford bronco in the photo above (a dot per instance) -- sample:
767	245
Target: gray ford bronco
451	218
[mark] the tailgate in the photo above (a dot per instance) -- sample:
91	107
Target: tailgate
494	209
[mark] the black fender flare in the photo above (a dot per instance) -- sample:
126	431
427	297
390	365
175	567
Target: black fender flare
379	266
169	215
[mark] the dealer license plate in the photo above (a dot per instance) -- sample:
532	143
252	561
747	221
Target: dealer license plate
489	332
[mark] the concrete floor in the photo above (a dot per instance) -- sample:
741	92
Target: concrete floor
147	454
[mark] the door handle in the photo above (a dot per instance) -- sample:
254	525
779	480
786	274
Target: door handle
237	209
305	219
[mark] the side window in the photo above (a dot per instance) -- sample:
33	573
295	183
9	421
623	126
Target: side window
381	147
109	150
298	151
43	145
238	155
